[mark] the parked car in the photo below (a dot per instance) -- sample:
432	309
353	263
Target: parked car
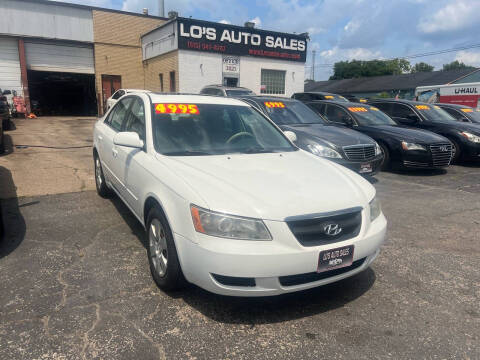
226	91
462	113
228	202
112	100
347	147
318	95
4	113
401	146
464	137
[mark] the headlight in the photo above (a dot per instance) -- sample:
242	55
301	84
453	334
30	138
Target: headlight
412	146
228	226
378	149
323	151
471	137
375	209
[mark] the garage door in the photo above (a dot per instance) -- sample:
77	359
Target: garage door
59	57
10	78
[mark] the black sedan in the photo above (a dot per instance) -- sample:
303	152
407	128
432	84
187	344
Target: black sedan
462	113
465	137
344	146
401	146
318	95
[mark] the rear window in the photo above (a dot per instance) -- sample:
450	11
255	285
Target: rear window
238	92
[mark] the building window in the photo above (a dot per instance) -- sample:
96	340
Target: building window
173	87
272	82
161	82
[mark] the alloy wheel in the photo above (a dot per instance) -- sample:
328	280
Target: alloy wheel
158	247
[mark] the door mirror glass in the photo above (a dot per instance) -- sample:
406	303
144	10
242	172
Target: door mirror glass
347	120
128	139
290	135
464	119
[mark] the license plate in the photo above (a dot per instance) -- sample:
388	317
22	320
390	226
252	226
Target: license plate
365	168
335	258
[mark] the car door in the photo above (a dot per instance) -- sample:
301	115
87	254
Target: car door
131	160
109	152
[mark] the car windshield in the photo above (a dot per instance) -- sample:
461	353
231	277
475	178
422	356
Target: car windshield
209	129
370	116
434	113
238	92
291	113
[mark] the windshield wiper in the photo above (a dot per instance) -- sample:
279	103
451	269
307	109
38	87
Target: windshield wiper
187	153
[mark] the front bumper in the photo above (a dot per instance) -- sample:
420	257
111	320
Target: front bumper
266	264
358	166
470	151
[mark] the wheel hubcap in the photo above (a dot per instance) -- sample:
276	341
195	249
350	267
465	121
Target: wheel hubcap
98	172
158	247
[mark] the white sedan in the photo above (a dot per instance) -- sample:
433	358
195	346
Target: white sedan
228	202
112	100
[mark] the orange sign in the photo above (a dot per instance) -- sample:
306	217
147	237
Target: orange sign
274	104
176	109
422	107
374	108
358	109
466	110
329	97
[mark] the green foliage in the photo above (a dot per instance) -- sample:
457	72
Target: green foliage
359	68
422	67
454	65
383	95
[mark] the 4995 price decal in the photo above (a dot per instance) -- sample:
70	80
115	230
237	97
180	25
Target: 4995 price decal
176	109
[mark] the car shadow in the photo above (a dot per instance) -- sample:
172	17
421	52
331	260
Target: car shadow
12	223
261	310
418	172
7	145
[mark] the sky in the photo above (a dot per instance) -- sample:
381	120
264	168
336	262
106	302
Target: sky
345	29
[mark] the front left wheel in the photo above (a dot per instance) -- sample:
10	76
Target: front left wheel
102	187
162	253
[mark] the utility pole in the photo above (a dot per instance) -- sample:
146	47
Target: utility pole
313	65
161	8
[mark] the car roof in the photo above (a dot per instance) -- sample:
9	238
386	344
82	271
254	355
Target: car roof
457	106
226	87
194	99
263	98
402	101
317	92
136	90
337	102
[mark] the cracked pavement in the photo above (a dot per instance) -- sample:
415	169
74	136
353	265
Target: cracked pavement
75	284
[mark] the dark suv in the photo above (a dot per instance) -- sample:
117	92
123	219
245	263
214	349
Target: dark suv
317	95
465	137
225	91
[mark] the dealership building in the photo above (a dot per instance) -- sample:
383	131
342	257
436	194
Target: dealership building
70	58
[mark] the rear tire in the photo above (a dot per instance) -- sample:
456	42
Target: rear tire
162	253
102	188
385	165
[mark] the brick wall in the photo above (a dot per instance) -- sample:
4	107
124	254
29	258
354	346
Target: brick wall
118	48
162	64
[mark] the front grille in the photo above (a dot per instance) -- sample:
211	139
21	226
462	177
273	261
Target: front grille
310	231
415	164
441	154
359	152
292	280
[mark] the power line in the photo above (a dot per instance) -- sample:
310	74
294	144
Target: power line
413	56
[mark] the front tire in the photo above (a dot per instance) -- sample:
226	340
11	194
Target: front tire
100	183
456	151
386	157
162	253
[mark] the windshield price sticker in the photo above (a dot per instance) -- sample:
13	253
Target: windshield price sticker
422	107
329	97
374	108
176	109
467	110
358	109
274	104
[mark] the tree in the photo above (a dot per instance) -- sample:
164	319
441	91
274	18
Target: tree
454	65
422	67
359	68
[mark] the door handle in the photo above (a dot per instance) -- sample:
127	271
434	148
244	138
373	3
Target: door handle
114	152
100	137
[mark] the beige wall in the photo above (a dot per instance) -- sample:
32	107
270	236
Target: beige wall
162	64
118	48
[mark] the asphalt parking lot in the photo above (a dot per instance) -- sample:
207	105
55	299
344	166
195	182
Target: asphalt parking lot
75	282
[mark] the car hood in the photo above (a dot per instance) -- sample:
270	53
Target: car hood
271	186
407	133
337	135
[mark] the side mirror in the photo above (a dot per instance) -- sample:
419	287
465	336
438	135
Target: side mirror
347	120
464	119
411	119
128	139
290	135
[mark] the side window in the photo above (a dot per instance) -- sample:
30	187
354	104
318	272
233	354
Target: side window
118	94
336	114
218	92
136	119
118	114
453	112
318	107
385	107
401	111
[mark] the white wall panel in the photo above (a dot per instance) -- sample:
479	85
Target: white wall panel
198	69
43	20
160	41
10	77
50	56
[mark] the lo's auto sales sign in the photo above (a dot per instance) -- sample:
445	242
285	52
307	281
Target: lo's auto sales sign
206	36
